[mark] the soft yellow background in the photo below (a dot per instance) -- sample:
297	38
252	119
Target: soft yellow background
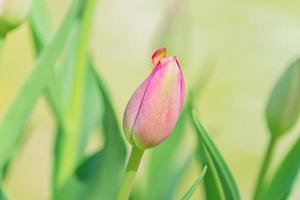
248	43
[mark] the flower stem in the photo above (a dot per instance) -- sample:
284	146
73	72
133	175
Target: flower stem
264	168
129	176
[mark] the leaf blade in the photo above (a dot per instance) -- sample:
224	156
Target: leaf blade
114	151
19	110
191	191
211	183
228	184
108	165
285	175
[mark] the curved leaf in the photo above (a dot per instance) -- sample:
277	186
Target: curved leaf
211	183
191	191
228	184
108	176
19	110
282	182
99	176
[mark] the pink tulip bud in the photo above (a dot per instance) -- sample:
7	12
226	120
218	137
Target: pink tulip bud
153	109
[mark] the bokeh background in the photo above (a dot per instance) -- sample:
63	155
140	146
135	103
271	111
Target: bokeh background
240	46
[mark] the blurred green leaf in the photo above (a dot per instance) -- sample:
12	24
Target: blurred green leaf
40	24
283	107
71	150
78	184
88	169
19	110
191	191
228	184
3	195
58	91
107	165
91	114
41	31
285	176
114	152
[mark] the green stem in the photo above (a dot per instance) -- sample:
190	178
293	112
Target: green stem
129	176
71	137
264	168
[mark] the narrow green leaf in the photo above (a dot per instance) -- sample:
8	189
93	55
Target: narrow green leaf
100	175
76	186
85	181
19	110
283	107
175	181
211	183
91	107
285	176
41	31
191	191
228	184
74	109
39	22
114	152
212	186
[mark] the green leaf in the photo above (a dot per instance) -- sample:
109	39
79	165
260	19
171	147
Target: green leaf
40	25
3	195
283	107
91	110
107	167
58	91
285	176
212	187
114	151
211	183
191	191
83	178
79	186
21	107
41	31
228	184
165	155
70	151
88	169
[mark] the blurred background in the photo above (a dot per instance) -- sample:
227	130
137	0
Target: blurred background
240	46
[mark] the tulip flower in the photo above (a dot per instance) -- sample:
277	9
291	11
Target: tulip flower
152	112
153	109
12	14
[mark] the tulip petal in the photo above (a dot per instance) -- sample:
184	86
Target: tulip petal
132	109
160	106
